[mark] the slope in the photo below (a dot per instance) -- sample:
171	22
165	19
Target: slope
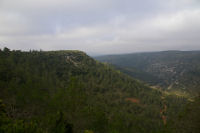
68	91
172	70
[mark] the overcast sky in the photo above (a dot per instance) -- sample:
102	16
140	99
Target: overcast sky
100	26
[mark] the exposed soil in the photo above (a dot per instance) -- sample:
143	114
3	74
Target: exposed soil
133	100
162	113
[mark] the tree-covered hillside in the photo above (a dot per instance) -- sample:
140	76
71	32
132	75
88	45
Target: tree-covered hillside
188	121
69	92
175	70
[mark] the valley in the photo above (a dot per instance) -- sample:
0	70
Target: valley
174	71
70	92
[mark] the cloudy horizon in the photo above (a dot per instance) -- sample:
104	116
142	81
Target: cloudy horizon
100	26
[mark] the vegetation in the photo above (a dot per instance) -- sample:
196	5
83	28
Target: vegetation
69	92
188	120
171	70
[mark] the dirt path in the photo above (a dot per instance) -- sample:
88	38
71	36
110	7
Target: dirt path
163	114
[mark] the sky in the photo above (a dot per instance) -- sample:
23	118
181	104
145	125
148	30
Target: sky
100	26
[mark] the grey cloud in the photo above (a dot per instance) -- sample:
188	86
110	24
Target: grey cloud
100	26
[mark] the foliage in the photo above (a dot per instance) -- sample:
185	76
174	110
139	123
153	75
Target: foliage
69	92
176	70
188	120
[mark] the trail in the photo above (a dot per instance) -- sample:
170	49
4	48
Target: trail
163	114
163	111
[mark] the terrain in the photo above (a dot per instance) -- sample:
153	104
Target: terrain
70	92
176	71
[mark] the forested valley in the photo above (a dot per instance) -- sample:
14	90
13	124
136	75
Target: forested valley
70	92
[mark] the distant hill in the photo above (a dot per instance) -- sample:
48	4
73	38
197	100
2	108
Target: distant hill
176	70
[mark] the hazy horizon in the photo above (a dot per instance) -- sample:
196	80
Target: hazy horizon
92	54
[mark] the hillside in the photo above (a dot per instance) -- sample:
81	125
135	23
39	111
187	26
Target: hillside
188	120
171	70
68	91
